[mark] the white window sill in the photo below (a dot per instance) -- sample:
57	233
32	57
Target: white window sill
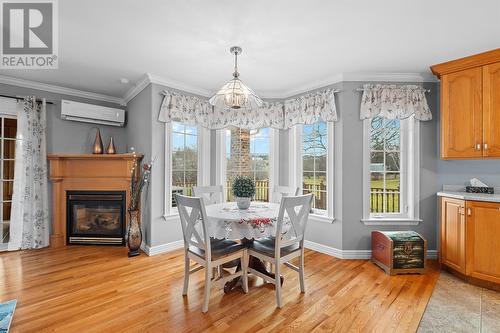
391	221
321	218
171	217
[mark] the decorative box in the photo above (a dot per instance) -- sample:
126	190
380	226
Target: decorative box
477	189
399	252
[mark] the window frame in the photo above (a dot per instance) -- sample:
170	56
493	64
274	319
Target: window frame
203	166
221	162
409	176
296	174
9	110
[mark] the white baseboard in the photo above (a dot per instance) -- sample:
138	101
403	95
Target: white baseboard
163	248
331	251
328	250
351	254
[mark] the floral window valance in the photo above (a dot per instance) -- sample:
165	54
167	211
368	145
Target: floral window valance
305	109
394	102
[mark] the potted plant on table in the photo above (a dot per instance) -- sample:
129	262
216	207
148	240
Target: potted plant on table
243	191
138	182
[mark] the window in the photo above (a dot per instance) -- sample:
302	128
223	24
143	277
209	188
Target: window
7	149
391	169
311	164
248	153
385	166
184	159
314	160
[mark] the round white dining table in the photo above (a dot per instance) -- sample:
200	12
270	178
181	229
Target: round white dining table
225	220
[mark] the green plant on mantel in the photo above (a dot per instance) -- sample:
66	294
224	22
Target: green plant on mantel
243	187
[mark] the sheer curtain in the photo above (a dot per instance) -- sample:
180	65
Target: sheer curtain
29	227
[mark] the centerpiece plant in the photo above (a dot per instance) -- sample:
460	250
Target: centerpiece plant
243	191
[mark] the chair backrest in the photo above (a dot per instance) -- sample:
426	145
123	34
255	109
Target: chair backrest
192	212
284	191
297	210
210	194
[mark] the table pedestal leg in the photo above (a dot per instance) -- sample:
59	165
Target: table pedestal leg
254	263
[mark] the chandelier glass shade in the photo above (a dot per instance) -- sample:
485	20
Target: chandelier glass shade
235	94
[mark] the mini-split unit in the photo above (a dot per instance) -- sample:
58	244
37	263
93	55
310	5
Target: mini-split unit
90	113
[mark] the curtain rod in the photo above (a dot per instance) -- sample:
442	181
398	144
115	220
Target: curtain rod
20	98
362	89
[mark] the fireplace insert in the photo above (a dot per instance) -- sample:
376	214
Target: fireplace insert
96	217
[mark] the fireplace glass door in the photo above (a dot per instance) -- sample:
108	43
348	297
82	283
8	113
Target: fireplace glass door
96	217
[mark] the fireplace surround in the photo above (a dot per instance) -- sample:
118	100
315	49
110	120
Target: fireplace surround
88	173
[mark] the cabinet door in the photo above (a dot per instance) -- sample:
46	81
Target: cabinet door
483	240
462	115
453	234
491	110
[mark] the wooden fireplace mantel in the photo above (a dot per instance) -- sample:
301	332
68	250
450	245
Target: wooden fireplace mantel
85	172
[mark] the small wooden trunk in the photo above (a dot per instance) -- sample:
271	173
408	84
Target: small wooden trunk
399	252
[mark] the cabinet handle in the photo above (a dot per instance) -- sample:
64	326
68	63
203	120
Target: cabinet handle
485	146
478	146
469	212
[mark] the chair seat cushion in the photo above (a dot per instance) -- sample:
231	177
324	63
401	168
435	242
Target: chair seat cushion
266	246
220	248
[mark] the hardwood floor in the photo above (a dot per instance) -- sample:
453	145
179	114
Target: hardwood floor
100	289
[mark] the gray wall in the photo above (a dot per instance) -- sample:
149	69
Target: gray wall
138	134
347	232
355	235
69	136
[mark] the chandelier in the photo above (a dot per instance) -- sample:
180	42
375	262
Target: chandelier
235	94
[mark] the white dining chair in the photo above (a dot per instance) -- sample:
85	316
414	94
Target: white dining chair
211	194
284	191
203	251
284	247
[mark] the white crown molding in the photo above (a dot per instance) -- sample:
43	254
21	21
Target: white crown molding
284	94
59	90
304	88
390	77
137	88
178	85
148	78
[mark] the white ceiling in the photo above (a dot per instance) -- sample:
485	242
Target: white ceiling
288	45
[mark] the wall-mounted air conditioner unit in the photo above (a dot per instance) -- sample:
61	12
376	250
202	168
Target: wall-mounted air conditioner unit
89	113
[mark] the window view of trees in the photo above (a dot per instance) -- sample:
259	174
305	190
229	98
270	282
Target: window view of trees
314	156
184	159
385	165
247	153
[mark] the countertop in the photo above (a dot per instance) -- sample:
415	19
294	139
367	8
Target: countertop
470	196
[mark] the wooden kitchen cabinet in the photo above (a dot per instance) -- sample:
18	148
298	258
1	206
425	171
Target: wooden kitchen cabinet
491	109
483	241
470	106
462	114
452	252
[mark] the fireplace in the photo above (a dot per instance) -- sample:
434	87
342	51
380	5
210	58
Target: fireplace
96	217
